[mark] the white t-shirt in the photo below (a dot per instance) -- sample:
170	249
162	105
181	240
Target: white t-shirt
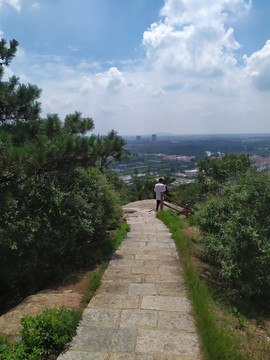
159	188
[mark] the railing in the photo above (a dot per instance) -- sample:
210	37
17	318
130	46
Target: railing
185	209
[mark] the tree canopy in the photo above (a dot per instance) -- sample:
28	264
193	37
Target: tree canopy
55	202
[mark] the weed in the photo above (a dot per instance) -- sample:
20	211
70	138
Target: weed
240	317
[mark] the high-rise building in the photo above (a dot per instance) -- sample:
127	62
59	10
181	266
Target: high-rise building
154	137
138	138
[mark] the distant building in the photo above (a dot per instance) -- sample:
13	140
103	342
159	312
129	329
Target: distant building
191	173
138	138
154	137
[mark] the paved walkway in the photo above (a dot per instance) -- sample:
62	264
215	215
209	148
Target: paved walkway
141	311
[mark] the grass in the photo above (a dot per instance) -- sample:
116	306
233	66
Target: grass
110	245
94	280
218	343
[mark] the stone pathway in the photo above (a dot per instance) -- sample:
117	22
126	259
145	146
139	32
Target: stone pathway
141	310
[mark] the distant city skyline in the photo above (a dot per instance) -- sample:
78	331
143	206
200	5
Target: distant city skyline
147	67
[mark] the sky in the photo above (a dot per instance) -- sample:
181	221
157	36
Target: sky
146	66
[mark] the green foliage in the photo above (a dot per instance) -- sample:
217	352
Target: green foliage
42	335
190	194
50	331
53	224
223	168
113	179
113	240
110	148
140	188
108	246
236	234
171	220
119	236
17	101
95	277
240	317
7	54
75	124
55	202
212	175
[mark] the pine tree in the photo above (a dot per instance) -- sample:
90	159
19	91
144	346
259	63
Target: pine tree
54	200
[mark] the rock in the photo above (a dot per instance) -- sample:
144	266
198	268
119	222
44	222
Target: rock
34	305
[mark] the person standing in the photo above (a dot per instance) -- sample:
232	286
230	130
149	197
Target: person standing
159	188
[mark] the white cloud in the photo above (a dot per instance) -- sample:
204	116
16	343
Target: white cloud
202	12
192	38
258	68
73	48
36	5
14	3
112	79
189	81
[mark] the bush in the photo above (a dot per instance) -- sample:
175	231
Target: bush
42	335
51	224
236	231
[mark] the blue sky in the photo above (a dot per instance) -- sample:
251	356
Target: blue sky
147	66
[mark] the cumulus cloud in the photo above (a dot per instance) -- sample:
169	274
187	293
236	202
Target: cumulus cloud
258	68
189	81
112	80
202	12
14	3
192	38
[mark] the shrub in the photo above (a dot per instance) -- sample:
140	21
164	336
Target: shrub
52	225
42	335
236	233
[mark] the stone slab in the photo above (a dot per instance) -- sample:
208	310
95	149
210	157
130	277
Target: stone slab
114	301
145	257
119	255
166	303
117	271
126	262
100	317
176	321
164	278
122	279
144	269
113	288
138	318
131	252
164	256
83	355
162	262
177	357
170	269
95	339
126	356
135	243
167	342
171	289
142	289
160	245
